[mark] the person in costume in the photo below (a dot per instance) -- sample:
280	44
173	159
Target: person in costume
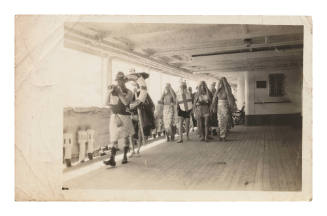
202	102
213	122
142	109
120	126
158	118
168	100
184	108
224	105
193	120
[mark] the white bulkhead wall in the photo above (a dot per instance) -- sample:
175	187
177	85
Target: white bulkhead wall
258	101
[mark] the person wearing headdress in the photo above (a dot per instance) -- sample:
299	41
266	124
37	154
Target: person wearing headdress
184	108
120	125
168	100
139	78
213	88
193	121
213	115
202	102
158	119
142	108
224	105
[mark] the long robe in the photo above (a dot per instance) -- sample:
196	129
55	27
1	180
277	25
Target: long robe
147	113
224	104
213	121
169	111
202	104
223	117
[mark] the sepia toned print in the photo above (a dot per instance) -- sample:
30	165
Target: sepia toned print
181	108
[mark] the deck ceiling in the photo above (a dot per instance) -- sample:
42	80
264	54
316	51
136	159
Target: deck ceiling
209	49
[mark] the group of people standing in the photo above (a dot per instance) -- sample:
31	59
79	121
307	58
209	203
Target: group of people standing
207	108
133	117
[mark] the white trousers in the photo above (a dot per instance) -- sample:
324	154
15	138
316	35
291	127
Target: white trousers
68	145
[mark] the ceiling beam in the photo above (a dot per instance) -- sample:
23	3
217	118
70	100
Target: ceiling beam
244	56
81	42
252	49
226	70
221	33
113	50
227	45
245	69
252	62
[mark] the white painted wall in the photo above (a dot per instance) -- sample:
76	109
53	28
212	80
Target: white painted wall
79	79
240	94
293	93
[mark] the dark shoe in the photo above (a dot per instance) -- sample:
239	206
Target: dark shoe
179	141
126	149
124	161
90	156
172	137
68	162
112	161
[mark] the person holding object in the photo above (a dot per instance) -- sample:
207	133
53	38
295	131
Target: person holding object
120	126
142	108
184	108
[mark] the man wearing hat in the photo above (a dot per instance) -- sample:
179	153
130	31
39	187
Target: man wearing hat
120	126
184	108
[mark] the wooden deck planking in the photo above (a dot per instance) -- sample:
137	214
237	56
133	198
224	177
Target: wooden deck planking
243	166
247	178
258	177
255	158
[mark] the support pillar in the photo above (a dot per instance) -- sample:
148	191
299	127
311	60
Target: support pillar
106	76
109	71
240	91
249	96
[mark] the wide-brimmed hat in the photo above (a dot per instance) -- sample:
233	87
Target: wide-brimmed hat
120	76
133	75
143	74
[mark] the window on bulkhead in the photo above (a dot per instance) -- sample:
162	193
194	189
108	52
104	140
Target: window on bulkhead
276	85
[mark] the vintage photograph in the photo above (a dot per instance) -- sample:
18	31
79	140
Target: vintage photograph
167	106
